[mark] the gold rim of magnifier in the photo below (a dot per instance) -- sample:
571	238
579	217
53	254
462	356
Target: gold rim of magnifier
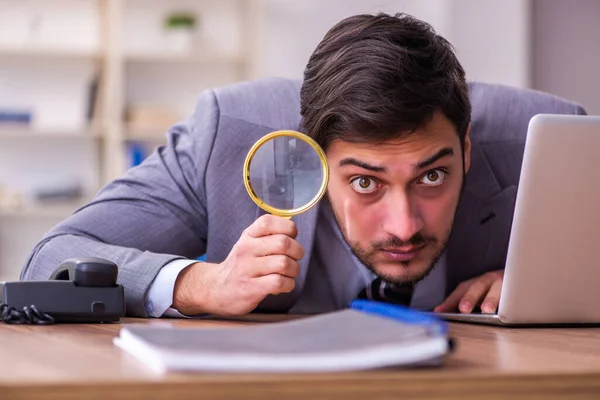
294	211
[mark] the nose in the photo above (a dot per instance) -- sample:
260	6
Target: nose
402	219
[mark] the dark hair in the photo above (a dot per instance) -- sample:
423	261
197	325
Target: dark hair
375	77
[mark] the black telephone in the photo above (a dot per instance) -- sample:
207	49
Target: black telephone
80	290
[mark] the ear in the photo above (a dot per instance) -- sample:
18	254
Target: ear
467	149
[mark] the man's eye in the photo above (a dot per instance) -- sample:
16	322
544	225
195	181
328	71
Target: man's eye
433	178
363	184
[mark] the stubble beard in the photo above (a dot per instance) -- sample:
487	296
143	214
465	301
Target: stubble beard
367	257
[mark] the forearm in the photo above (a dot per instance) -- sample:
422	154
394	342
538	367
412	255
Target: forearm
137	269
192	294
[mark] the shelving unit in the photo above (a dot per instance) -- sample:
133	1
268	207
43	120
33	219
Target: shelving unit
25	133
144	135
43	52
52	211
128	75
207	57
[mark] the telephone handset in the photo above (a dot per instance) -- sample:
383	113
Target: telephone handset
90	271
80	290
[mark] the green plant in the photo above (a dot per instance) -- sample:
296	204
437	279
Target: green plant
180	20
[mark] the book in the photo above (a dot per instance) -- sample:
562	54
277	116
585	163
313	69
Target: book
368	335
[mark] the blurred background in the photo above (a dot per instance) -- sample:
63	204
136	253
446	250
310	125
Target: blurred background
89	87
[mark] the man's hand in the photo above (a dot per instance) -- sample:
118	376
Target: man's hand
484	290
263	261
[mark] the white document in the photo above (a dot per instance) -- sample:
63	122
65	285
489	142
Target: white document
338	341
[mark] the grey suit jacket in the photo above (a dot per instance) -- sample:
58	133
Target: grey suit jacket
188	198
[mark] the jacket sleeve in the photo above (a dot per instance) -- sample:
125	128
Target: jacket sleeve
152	215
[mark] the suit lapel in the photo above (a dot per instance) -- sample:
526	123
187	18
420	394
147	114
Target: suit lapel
479	238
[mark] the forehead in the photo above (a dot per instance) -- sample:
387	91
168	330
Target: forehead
437	134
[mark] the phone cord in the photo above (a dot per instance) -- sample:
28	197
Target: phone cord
28	315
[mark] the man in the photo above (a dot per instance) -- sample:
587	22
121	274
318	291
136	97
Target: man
402	221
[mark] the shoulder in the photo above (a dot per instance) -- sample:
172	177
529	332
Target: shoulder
228	119
272	102
502	113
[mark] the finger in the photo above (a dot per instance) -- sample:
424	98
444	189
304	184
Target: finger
278	244
282	265
451	302
476	291
270	225
492	299
275	284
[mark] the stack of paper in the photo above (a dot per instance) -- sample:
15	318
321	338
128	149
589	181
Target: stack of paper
370	335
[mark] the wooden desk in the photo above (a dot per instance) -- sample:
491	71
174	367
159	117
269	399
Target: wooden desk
80	362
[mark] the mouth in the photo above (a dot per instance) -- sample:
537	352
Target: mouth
402	254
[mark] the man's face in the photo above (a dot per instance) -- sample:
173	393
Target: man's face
395	202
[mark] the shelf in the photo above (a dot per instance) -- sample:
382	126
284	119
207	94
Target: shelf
199	57
23	132
146	138
55	211
152	135
48	52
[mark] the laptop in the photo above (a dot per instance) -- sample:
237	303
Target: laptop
552	271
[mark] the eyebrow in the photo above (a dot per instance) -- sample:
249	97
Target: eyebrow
353	161
445	152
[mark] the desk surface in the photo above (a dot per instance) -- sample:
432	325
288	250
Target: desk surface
80	362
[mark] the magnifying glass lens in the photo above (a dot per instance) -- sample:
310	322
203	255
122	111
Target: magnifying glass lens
286	173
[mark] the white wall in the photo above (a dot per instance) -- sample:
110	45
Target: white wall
492	39
294	28
490	36
566	55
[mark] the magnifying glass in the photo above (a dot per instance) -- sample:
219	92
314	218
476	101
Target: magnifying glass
286	173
